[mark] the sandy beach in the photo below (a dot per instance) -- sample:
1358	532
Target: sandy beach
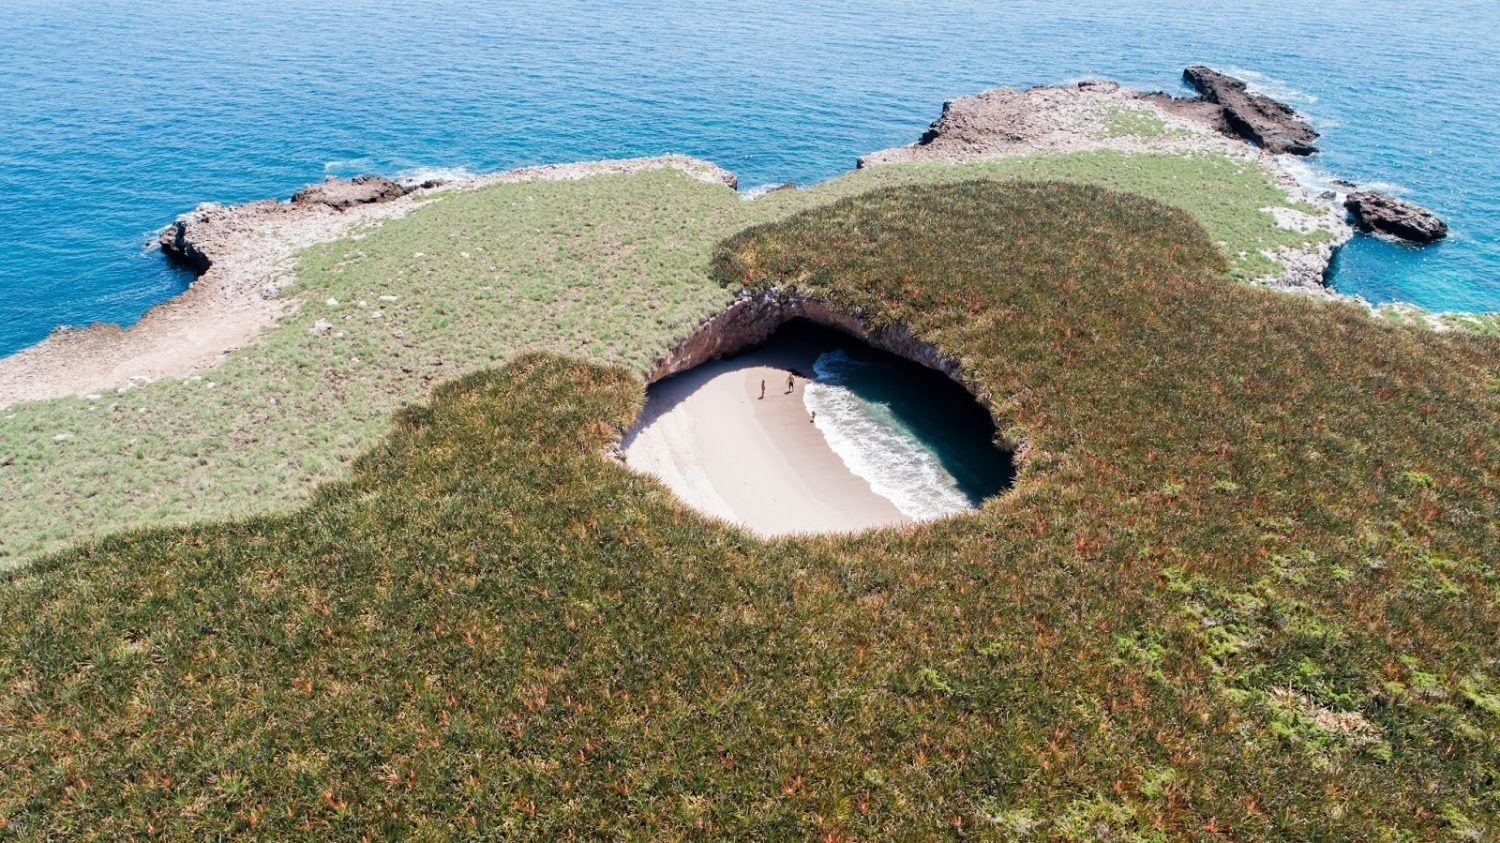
757	462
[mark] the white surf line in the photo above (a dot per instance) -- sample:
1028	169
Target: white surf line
866	437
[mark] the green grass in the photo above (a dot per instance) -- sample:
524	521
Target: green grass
1133	122
610	268
1245	586
1476	323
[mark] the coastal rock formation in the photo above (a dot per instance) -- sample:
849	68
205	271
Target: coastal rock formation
753	317
177	244
1050	119
192	237
341	194
977	123
1103	115
1273	125
1383	214
245	255
1195	109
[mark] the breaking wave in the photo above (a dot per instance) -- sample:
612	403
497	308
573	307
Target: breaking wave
870	440
418	175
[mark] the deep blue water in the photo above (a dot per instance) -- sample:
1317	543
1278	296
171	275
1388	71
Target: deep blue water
116	116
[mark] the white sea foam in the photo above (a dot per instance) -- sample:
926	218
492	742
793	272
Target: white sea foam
750	194
347	165
407	175
1260	83
417	175
876	447
1315	180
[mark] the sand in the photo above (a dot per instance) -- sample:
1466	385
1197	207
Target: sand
757	462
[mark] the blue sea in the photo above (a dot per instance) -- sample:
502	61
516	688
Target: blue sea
919	439
117	115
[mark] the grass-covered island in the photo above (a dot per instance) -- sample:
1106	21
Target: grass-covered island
1244	586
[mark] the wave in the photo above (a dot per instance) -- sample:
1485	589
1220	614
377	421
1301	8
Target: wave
1260	83
404	175
876	447
1313	179
1316	180
750	194
417	175
352	166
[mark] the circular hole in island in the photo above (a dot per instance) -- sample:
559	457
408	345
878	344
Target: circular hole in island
815	431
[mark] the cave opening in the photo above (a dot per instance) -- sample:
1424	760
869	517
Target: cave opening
814	430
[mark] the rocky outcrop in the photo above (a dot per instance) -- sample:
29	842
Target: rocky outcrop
1196	109
985	121
246	256
1382	214
1274	125
177	244
1095	116
1048	119
753	317
341	194
192	238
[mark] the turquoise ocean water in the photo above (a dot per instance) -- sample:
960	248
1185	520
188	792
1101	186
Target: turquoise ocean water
918	439
116	115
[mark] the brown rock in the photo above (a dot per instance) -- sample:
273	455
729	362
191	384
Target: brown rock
345	193
1271	124
1383	214
178	246
979	123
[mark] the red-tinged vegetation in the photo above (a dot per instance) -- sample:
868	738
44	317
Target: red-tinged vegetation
1244	588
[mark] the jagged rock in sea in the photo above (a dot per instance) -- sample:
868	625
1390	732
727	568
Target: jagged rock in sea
1382	214
1274	125
339	193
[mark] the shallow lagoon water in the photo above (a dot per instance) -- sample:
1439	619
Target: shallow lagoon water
116	116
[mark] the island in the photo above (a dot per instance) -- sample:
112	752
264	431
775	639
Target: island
346	541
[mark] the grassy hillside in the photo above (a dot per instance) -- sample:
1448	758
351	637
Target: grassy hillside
1245	588
608	268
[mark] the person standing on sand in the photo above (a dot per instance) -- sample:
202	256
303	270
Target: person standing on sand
762	389
791	383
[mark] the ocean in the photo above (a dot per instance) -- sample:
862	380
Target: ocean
117	115
919	439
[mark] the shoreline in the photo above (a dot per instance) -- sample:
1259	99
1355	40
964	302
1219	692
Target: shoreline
250	249
1100	115
759	463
